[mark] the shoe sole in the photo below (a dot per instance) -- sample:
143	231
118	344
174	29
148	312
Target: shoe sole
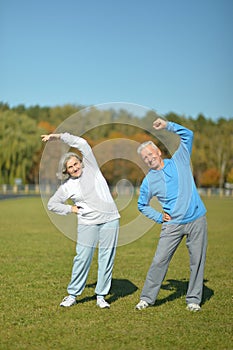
192	310
68	305
141	308
104	307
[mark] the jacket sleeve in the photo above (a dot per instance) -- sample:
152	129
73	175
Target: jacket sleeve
57	204
144	204
82	145
185	134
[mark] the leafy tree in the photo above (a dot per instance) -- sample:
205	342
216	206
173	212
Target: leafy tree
19	109
38	113
4	106
49	129
21	148
210	178
58	114
19	141
230	176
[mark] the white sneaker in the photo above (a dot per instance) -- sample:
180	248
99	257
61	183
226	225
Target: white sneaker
102	303
193	307
141	305
68	301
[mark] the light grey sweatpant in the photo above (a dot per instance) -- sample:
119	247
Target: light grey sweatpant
105	235
170	238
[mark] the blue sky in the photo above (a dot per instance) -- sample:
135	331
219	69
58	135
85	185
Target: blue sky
169	56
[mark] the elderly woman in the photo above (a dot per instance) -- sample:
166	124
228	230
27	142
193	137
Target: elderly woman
98	217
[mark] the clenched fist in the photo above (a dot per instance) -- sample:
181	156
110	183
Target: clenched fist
159	124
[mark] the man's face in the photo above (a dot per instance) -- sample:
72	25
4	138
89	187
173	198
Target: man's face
152	157
74	167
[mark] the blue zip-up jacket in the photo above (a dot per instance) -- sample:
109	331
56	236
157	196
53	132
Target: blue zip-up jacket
173	185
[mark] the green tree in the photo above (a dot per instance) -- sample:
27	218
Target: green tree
19	142
212	148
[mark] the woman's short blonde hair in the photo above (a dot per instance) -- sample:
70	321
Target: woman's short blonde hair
62	173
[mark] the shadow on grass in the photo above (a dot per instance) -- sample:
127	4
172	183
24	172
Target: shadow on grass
179	289
120	288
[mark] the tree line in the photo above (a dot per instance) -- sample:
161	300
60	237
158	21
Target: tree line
21	148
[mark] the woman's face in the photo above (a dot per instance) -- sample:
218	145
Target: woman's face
74	167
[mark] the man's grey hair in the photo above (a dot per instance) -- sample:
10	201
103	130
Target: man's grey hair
62	167
144	144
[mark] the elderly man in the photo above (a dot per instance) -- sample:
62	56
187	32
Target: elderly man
171	182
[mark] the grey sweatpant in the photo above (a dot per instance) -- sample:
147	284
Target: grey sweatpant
170	237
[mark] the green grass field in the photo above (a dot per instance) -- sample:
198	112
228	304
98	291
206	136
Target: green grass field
36	263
